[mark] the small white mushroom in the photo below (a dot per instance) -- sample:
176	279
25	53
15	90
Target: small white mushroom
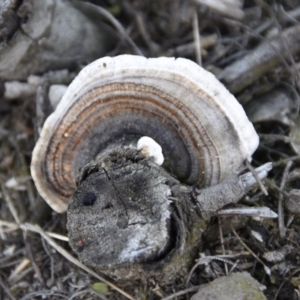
56	91
151	149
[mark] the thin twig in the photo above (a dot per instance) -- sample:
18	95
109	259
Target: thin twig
263	146
15	215
268	271
11	225
197	42
261	185
122	32
20	276
188	49
32	258
58	236
290	220
7	291
9	257
141	25
183	292
10	204
285	281
45	245
278	137
282	229
90	291
205	260
286	160
275	187
222	243
63	252
233	266
26	173
19	268
44	293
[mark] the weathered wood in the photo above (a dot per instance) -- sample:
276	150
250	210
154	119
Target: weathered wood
261	60
131	220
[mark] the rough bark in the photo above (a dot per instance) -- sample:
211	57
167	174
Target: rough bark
131	220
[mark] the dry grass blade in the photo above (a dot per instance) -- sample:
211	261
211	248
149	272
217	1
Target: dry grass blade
285	281
230	8
272	185
267	270
58	236
10	226
15	215
19	268
205	260
278	137
222	243
10	204
87	291
197	42
62	251
253	171
32	257
180	293
259	212
7	291
118	26
43	294
283	162
281	224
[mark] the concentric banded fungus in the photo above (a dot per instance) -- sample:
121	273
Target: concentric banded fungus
123	210
202	129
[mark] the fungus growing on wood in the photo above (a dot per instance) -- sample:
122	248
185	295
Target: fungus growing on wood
124	208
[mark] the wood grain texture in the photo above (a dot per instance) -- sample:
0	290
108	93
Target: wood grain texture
130	220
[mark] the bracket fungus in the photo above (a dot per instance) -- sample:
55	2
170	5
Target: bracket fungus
124	208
